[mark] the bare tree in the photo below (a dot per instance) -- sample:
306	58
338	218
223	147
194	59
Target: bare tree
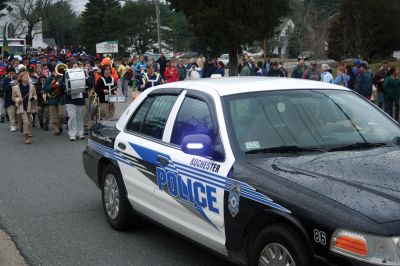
309	33
29	14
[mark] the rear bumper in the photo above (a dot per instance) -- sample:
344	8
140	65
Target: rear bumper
90	164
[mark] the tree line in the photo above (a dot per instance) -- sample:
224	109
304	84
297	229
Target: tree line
337	29
134	25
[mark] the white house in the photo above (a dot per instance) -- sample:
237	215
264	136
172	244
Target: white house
15	29
281	41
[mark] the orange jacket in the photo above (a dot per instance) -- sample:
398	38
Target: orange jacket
114	74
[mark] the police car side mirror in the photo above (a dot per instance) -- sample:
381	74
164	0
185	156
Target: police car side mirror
197	144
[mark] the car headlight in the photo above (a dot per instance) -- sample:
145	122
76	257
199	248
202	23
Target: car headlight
376	250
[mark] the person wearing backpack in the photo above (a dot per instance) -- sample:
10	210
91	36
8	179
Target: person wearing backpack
312	73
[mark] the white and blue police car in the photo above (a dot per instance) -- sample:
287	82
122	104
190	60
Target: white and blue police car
263	171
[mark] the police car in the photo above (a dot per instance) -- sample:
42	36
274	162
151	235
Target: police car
263	171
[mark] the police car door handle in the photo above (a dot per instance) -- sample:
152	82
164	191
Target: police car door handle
162	160
121	146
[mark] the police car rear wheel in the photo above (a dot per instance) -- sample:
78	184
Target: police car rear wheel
280	244
115	203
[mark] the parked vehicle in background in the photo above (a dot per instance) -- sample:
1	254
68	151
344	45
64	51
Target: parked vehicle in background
307	55
191	54
224	58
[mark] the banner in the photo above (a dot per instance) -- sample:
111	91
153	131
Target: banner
108	47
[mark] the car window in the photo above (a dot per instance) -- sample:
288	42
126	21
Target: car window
152	116
136	120
194	117
306	118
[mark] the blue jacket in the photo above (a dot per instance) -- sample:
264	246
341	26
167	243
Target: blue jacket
342	79
364	84
7	92
140	65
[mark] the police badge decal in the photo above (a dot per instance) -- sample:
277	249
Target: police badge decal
234	198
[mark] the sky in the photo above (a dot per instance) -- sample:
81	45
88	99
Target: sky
78	5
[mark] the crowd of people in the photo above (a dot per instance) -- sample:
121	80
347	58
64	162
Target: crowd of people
357	77
34	93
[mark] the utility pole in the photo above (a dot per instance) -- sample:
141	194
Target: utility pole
266	48
158	25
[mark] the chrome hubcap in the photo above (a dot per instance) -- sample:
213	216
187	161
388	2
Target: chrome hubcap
277	255
111	196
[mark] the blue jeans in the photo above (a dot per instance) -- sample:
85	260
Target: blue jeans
389	107
380	99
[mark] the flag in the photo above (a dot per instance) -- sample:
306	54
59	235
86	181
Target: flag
5	51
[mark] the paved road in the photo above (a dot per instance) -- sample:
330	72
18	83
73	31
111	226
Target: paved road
54	214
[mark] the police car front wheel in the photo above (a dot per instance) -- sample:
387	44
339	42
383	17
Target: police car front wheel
280	244
115	203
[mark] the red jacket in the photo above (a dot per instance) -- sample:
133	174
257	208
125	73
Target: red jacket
171	74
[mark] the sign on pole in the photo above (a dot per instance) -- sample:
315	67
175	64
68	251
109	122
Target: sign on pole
107	47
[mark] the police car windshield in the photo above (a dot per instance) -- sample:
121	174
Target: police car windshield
320	119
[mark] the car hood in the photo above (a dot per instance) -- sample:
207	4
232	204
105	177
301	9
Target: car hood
365	181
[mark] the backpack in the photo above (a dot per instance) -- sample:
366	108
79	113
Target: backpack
313	75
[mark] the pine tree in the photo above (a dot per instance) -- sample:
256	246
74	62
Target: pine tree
100	22
227	25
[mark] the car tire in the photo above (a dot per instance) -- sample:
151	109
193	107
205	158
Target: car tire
116	207
284	240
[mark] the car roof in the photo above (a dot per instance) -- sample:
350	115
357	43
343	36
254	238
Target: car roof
236	85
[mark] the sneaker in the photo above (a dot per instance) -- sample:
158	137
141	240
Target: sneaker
81	137
28	141
13	129
2	119
72	139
